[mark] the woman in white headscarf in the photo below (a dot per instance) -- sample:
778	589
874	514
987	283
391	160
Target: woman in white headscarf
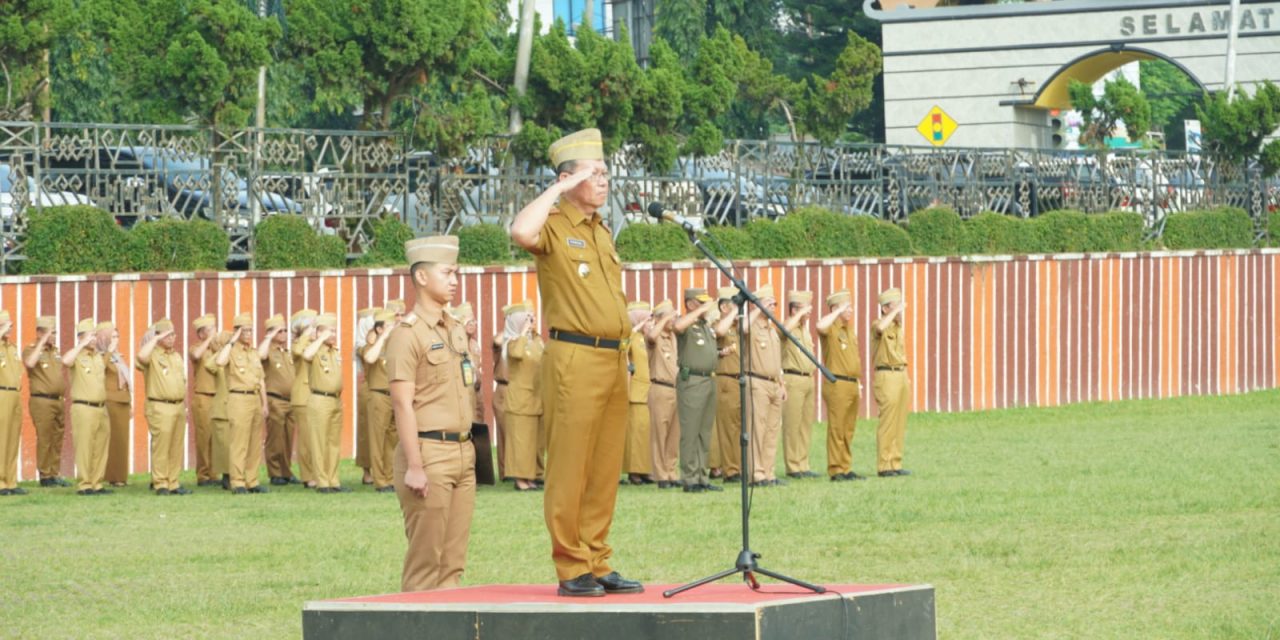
364	326
522	349
119	377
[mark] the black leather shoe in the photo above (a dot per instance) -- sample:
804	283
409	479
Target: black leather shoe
615	583
104	492
259	489
663	484
841	477
386	489
240	491
902	472
162	492
180	492
294	480
733	478
583	586
86	492
762	483
711	487
226	482
62	482
208	483
693	488
853	476
278	482
324	490
887	474
339	490
6	492
47	482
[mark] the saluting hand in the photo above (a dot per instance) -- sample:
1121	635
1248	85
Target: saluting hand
416	479
576	178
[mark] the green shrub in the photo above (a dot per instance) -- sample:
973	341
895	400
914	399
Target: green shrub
773	240
937	231
1116	231
642	242
387	249
994	233
1056	232
824	233
178	245
289	242
1273	228
730	242
75	239
483	244
1224	228
885	238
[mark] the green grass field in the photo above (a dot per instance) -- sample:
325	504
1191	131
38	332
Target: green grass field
1148	519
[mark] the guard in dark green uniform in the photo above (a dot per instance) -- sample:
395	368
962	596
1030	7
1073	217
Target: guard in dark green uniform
696	388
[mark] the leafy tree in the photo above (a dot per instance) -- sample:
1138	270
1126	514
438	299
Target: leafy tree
1173	97
1237	130
831	102
27	29
682	25
1120	101
83	87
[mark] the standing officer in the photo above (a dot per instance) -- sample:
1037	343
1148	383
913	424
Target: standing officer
90	428
119	378
637	456
48	381
696	389
206	386
165	376
246	405
798	412
218	415
840	354
282	423
382	434
500	384
728	398
585	367
664	423
432	381
479	425
304	331
10	410
324	409
891	386
767	391
364	326
523	354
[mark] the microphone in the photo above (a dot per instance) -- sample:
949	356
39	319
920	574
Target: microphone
659	211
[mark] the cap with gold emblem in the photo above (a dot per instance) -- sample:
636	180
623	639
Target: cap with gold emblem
384	316
162	325
838	298
765	291
696	293
800	297
436	249
587	144
327	320
890	296
86	325
46	322
274	322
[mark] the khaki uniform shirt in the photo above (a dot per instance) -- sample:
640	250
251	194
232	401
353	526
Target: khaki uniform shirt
840	350
376	374
638	357
728	364
580	275
165	376
766	351
428	351
279	371
244	369
206	381
499	363
46	378
208	364
88	377
792	358
301	392
115	391
10	366
662	358
524	362
887	350
325	370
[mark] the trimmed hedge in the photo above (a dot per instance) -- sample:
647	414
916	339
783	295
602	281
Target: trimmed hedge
387	250
995	233
289	242
1117	231
773	240
1224	228
732	242
1057	232
937	231
642	242
483	244
75	239
178	245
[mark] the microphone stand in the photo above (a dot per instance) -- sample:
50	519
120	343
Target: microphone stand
746	563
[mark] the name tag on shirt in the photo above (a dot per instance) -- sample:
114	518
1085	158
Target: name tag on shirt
438	345
577	244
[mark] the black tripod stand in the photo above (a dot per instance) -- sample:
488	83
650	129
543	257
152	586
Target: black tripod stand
746	563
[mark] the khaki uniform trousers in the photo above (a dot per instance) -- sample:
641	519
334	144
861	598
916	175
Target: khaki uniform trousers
842	399
167	423
500	423
892	390
324	426
766	423
244	445
49	416
664	431
523	445
363	459
10	438
729	424
90	431
798	414
697	398
306	459
118	414
202	419
221	446
382	439
637	456
282	430
585	403
438	526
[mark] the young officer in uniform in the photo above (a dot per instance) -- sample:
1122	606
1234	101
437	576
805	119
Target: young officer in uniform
304	332
840	354
90	428
206	386
246	405
10	410
664	415
767	391
798	412
119	379
637	456
585	366
324	409
282	424
891	386
382	428
165	377
48	381
432	382
728	399
696	388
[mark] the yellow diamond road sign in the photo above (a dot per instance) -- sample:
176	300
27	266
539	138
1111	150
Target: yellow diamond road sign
937	127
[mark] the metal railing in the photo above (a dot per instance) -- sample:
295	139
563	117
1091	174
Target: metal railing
343	181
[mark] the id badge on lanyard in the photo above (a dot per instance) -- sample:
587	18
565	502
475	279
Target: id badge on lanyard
468	372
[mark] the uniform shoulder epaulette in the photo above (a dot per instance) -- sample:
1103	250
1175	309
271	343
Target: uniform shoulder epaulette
408	320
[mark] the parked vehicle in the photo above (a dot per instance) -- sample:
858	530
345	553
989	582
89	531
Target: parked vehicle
13	198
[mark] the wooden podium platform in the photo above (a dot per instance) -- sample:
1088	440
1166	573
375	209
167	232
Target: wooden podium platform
712	612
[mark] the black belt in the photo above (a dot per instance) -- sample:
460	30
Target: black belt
164	401
902	368
243	392
326	394
95	405
278	396
446	436
46	396
756	375
201	393
501	381
796	373
853	379
385	392
8	388
661	383
704	374
589	341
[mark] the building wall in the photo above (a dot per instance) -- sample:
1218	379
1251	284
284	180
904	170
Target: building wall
982	333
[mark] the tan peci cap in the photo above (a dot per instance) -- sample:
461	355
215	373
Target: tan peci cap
304	313
105	325
639	305
327	320
242	320
4	316
274	322
518	307
162	325
727	293
838	298
587	144
462	312
367	312
384	316
662	307
436	249
891	296
86	325
204	322
46	322
800	297
765	291
696	293
396	305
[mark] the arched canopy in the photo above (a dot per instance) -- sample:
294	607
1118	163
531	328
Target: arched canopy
1091	67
